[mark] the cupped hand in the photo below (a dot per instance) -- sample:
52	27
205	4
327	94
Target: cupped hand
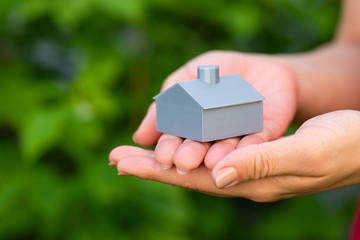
323	154
274	81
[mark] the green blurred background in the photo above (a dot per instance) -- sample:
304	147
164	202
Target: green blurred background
76	77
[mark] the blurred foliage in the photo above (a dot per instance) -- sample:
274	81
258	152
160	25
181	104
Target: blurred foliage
75	80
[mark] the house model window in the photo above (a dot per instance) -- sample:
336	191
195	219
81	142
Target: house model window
210	108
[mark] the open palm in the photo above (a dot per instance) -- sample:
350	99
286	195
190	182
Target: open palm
275	82
310	161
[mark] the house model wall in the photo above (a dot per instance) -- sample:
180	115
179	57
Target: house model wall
210	108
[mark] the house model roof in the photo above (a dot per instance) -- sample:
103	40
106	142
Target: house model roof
227	90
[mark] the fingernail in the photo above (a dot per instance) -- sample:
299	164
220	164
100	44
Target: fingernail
226	177
181	172
112	164
134	139
165	167
121	173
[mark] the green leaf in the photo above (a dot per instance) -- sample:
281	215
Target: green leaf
43	130
32	9
70	13
242	19
123	10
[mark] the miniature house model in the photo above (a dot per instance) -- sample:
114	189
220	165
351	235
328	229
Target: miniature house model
210	107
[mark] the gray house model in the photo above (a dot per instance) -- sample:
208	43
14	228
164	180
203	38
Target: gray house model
210	107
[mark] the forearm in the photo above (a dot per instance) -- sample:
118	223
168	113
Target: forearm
328	78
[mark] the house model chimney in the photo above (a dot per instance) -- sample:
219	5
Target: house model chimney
208	74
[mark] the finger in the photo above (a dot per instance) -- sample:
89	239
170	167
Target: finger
184	73
146	167
271	131
286	156
280	99
189	71
190	155
218	150
141	163
123	151
228	61
166	149
146	134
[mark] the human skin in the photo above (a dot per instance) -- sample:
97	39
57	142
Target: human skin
322	155
271	79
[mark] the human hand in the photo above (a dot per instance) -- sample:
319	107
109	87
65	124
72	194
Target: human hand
323	154
275	82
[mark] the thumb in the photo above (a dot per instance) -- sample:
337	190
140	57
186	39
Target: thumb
146	135
286	156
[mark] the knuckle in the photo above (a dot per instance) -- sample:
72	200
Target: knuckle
261	164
